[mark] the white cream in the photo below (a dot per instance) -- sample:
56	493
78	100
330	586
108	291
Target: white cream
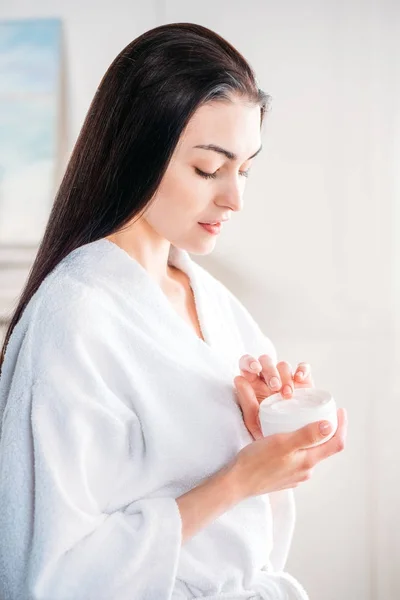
307	405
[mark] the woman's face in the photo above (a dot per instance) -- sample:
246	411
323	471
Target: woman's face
205	185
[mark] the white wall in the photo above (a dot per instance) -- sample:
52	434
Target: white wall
319	215
313	253
311	288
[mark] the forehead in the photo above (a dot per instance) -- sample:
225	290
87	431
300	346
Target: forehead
233	125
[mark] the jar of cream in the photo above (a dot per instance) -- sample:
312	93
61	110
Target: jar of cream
307	405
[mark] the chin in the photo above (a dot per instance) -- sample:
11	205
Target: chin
201	248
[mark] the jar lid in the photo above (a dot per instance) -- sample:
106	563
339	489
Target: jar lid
304	401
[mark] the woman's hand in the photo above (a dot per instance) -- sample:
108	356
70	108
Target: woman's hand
284	460
259	379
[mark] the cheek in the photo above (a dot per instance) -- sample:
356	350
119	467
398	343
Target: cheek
182	193
159	213
171	210
174	181
183	181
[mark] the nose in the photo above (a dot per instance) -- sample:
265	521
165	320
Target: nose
232	198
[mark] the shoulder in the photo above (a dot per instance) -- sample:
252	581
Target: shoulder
73	291
72	305
69	304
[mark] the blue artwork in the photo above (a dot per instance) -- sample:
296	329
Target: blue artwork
29	102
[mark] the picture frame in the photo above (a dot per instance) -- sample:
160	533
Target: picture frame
32	145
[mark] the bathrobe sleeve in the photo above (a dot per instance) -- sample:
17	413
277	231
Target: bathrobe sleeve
84	438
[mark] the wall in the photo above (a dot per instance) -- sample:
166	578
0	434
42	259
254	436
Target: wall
313	253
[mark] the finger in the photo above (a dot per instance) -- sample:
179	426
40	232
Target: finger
249	363
302	372
249	406
270	373
258	384
250	368
306	383
286	374
336	443
307	436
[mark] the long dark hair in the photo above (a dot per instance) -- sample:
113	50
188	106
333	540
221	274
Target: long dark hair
134	122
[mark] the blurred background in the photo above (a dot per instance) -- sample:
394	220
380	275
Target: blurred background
314	255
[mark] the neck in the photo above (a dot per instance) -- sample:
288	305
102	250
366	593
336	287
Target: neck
143	244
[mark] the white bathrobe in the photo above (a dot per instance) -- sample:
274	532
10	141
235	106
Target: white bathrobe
111	408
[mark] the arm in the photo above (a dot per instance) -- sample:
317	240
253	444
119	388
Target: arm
206	502
219	493
69	447
80	548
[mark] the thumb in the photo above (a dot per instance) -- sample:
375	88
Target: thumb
309	435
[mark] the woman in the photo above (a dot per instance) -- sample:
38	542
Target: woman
131	460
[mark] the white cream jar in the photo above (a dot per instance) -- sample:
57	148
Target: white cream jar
307	405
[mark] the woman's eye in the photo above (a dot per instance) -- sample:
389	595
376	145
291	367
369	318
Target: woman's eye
205	175
213	175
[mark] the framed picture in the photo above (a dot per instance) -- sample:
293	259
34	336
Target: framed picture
30	129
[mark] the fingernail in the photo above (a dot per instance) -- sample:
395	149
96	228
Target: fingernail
325	427
287	390
254	366
274	382
299	374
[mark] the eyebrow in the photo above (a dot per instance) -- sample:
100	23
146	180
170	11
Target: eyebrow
227	153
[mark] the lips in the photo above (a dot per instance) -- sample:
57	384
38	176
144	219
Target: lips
214	229
218	222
